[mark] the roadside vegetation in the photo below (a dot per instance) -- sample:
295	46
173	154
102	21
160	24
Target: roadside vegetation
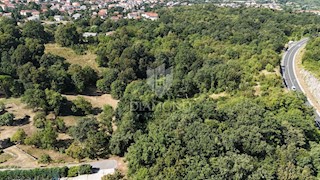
311	58
47	173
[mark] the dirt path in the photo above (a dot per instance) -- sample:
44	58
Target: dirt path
20	158
303	83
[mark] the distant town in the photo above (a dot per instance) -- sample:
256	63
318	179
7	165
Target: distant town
53	11
66	10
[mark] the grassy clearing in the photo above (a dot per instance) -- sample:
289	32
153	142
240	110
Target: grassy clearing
16	101
96	101
70	120
4	157
89	59
19	109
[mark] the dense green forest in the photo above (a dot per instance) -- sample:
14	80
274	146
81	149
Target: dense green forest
257	130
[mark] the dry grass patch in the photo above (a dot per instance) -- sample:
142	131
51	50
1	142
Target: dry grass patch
64	136
97	101
4	157
15	106
257	89
11	100
122	165
57	157
275	71
70	120
89	59
217	96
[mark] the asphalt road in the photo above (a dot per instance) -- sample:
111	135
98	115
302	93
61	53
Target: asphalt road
288	71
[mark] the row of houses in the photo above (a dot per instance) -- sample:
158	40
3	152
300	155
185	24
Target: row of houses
73	10
148	15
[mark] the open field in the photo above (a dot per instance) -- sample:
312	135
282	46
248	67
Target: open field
97	100
89	59
13	105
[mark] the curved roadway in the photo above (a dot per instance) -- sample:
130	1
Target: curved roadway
289	74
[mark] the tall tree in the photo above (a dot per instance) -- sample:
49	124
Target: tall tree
67	35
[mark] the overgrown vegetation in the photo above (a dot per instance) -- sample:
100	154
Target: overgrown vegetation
311	58
180	133
46	173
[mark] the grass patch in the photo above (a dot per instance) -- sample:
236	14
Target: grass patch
89	59
56	156
70	120
4	157
16	101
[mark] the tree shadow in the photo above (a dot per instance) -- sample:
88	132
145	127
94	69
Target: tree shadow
96	111
89	91
64	143
95	170
3	112
5	143
22	121
66	109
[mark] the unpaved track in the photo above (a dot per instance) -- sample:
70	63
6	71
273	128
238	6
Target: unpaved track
19	159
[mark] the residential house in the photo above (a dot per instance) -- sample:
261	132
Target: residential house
58	18
9	15
34	18
150	15
133	15
76	16
102	13
89	34
110	33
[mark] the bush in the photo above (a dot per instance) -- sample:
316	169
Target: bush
6	119
79	170
73	171
45	159
39	120
81	106
2	106
79	49
117	89
43	174
18	136
269	68
61	125
85	169
116	176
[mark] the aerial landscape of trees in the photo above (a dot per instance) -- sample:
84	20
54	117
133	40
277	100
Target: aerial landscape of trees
225	114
